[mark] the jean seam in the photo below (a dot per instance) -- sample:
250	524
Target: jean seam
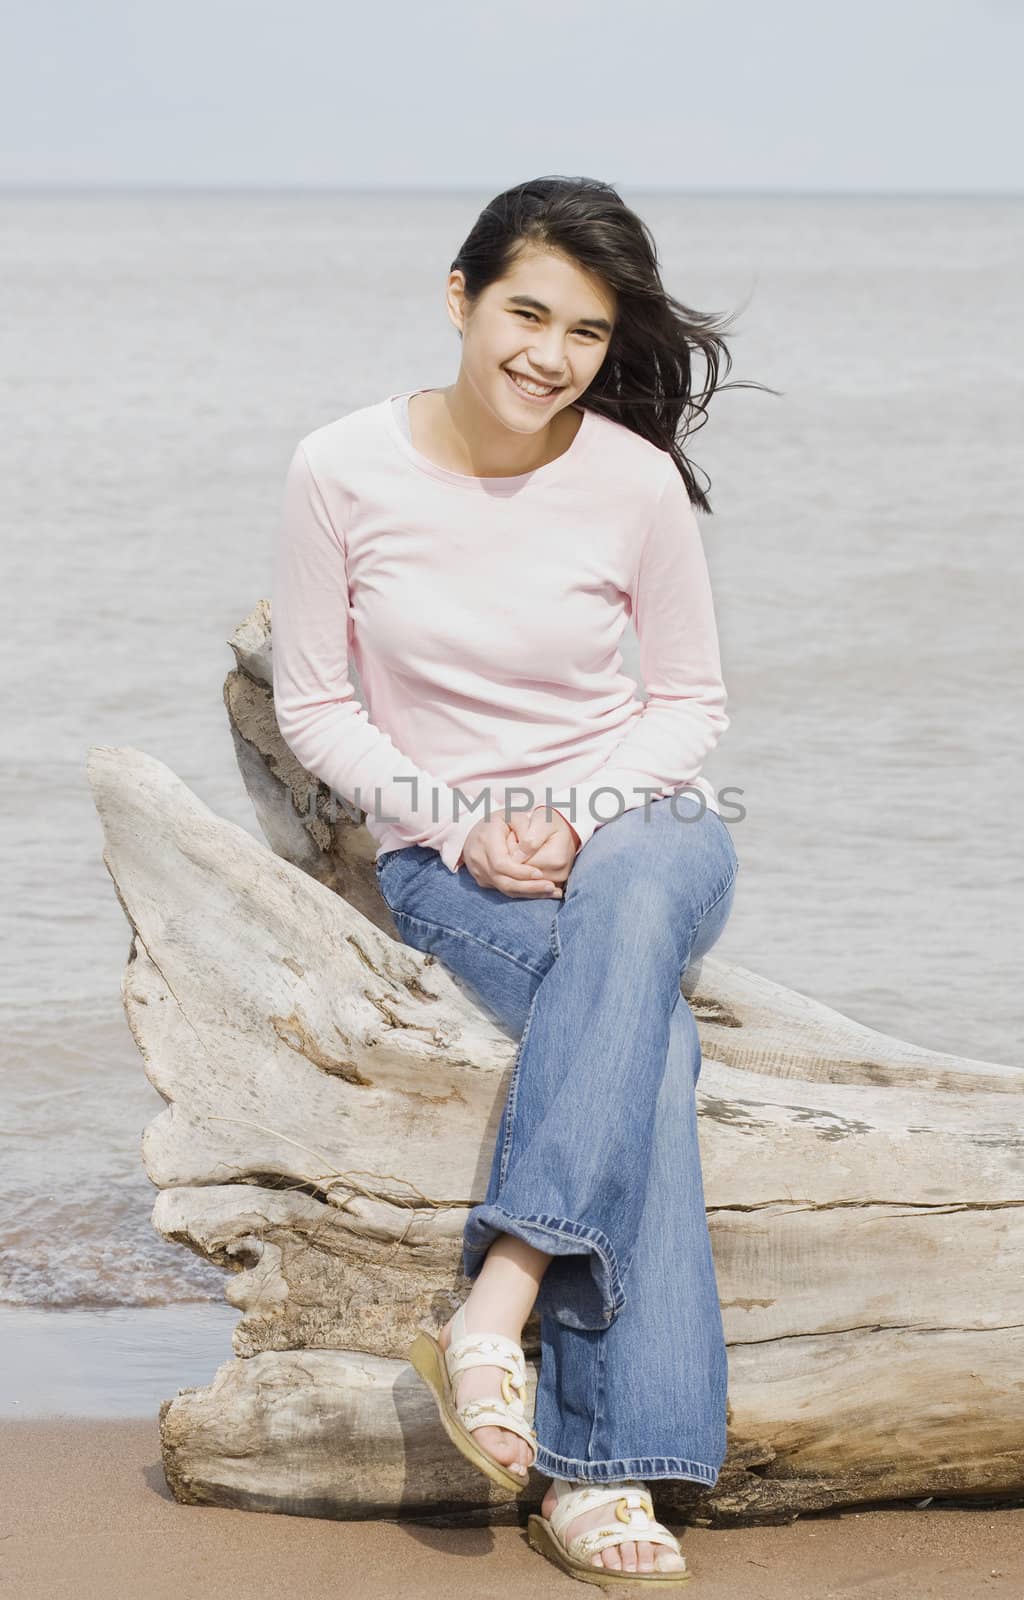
461	933
597	1416
513	1086
554	941
379	874
719	896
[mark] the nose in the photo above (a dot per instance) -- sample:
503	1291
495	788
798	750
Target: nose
547	360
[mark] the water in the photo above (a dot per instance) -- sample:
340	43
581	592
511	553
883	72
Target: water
163	354
119	1362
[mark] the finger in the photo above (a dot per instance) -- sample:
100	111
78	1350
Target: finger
517	845
524	847
535	834
548	862
543	888
502	862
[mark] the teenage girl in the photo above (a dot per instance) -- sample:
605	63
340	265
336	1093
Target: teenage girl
478	549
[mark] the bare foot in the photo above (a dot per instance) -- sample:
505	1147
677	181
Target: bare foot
478	1383
630	1556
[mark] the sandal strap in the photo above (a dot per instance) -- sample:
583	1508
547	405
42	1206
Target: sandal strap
494	1413
573	1498
487	1350
587	1545
634	1511
504	1410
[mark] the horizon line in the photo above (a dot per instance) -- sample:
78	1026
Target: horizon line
63	186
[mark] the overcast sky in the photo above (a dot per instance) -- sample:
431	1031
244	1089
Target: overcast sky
724	95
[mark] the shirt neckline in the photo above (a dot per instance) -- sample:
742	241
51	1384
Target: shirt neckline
550	469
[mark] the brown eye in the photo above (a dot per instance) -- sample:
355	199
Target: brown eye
519	312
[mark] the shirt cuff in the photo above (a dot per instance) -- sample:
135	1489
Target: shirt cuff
450	849
583	823
579	798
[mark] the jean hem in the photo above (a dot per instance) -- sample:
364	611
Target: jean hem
552	1465
558	1236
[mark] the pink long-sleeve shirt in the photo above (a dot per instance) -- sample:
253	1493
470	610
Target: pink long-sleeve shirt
484	616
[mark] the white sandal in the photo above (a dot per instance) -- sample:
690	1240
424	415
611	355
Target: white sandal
634	1511
440	1368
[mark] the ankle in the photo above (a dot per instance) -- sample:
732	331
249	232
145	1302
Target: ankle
488	1313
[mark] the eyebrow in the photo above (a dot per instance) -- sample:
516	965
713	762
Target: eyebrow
538	305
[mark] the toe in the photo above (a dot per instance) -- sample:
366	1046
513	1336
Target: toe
503	1446
644	1556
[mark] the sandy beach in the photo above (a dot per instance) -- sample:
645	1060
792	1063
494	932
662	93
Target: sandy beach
86	1515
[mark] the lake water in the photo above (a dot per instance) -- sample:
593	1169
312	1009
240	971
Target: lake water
163	355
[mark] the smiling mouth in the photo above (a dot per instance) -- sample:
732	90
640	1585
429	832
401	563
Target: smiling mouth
547	390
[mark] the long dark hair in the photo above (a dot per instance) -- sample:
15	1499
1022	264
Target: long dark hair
646	379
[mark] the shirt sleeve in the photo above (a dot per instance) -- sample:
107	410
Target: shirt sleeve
320	719
684	716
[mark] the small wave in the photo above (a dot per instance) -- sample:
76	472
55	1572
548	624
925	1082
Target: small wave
98	1250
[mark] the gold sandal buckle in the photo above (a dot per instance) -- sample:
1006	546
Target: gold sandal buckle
641	1502
509	1383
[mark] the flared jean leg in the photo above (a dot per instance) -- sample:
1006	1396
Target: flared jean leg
597	1158
646	1398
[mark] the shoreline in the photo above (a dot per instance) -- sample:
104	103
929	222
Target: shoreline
87	1515
108	1362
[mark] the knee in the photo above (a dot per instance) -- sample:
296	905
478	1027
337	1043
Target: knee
638	918
640	879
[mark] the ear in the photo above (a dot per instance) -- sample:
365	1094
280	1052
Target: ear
455	299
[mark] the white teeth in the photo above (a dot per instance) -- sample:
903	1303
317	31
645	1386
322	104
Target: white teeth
531	388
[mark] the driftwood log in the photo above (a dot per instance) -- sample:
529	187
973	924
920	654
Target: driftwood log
332	1099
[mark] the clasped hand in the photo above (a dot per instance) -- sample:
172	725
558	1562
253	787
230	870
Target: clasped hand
529	856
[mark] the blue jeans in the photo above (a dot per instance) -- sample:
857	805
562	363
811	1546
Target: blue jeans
597	1160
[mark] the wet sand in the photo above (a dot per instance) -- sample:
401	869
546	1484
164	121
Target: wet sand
85	1514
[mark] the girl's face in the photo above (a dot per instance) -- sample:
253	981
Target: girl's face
546	321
